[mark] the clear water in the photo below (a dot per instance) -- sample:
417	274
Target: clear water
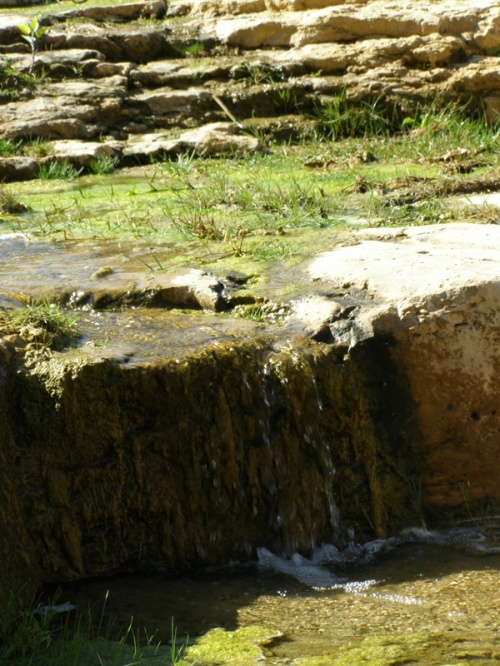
431	601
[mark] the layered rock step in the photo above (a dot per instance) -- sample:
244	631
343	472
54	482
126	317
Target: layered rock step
113	74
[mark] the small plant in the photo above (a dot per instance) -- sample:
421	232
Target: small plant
197	223
193	49
13	82
268	311
77	70
9	148
39	147
23	631
177	653
31	32
252	312
9	203
50	327
287	101
258	74
58	171
340	119
182	164
104	164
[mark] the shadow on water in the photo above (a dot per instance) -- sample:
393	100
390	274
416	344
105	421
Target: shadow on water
413	588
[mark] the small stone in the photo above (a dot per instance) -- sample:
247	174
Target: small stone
101	273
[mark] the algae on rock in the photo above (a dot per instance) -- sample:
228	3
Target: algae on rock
197	460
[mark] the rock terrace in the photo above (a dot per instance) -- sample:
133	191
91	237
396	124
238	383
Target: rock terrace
133	80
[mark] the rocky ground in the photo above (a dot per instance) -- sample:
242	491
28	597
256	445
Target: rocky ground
135	81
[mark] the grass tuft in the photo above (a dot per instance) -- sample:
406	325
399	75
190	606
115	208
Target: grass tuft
58	171
10	203
42	323
104	164
59	635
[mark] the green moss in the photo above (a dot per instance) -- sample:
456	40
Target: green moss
259	207
242	647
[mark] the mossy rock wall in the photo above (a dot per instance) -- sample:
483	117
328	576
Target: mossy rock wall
194	461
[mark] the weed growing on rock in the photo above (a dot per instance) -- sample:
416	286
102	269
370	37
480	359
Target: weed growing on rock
190	49
58	171
38	147
14	83
254	74
339	119
43	323
440	129
31	32
104	164
9	147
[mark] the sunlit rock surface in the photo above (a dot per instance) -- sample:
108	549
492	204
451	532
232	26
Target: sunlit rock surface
127	79
436	291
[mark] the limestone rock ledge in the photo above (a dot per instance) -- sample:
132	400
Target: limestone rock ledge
110	79
436	292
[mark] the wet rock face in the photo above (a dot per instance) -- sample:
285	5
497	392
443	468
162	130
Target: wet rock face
195	460
259	436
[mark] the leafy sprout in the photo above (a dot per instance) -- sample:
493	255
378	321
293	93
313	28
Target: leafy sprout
31	32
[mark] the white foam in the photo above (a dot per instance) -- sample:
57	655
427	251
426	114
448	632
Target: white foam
310	572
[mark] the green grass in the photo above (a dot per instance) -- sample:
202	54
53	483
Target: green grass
58	171
37	147
35	636
268	206
10	202
339	119
14	82
8	148
41	322
104	164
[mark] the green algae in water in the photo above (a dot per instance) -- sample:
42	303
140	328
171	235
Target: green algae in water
242	647
418	648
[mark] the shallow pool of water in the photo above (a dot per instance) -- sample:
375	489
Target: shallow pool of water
428	602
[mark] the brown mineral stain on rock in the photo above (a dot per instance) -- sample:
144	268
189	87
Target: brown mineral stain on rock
58	488
72	538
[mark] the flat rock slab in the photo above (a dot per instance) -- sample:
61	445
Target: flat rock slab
120	12
411	265
215	138
284	26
